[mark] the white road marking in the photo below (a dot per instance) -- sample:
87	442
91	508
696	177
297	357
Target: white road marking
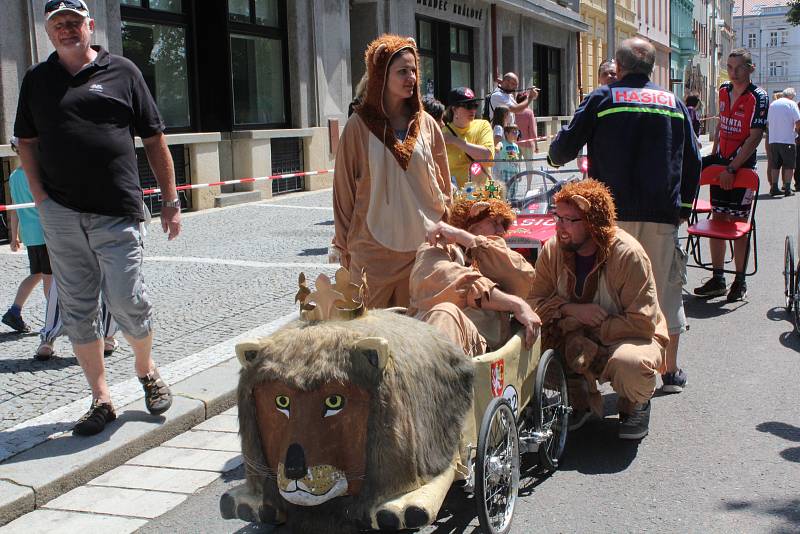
328	208
241	263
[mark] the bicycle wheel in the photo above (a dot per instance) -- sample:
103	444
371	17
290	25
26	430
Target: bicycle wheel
551	407
497	468
788	275
795	295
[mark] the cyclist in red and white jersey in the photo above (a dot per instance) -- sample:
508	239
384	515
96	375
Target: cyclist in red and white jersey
742	119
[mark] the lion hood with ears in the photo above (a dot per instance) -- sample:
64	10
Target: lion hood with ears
369	409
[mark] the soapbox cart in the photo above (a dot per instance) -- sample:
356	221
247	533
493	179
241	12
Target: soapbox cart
520	406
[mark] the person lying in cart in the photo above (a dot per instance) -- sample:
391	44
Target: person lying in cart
595	293
465	280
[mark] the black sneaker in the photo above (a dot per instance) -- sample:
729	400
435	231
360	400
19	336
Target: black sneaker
774	191
738	291
637	424
673	382
157	396
95	420
16	322
714	287
787	191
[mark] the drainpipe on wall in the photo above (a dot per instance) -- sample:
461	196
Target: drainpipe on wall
32	24
580	68
493	17
611	28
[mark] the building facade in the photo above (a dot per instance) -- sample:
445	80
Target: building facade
714	36
253	88
652	23
774	44
683	44
594	43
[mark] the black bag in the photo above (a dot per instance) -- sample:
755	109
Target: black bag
487	107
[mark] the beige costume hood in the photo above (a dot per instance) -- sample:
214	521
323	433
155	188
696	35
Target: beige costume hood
377	58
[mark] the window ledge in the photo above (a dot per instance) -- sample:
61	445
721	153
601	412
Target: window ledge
188	139
272	134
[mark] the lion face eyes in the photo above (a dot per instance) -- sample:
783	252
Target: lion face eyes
283	403
333	405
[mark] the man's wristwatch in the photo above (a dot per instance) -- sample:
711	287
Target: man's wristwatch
730	169
171	203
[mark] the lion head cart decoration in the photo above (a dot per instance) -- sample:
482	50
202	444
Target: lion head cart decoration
348	418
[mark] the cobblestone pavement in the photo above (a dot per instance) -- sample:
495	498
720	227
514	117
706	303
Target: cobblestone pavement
230	271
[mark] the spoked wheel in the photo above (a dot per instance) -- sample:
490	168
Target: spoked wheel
551	406
796	295
788	276
497	468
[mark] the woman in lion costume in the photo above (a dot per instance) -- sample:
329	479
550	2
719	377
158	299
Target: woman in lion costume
349	424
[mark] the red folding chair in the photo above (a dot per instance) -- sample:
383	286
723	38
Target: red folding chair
701	205
726	230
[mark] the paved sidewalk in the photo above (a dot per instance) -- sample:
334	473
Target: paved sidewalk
231	270
232	274
145	487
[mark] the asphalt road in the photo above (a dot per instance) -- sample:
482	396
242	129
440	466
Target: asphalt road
723	456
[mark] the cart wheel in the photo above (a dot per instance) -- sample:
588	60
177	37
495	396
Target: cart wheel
497	468
788	275
795	295
551	408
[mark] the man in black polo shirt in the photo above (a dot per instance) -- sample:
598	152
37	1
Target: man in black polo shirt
77	114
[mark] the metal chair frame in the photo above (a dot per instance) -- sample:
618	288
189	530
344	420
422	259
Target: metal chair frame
745	178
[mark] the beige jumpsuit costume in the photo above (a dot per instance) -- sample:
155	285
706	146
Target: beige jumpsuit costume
383	187
449	283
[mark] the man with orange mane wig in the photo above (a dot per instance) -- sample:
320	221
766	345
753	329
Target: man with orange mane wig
465	280
596	295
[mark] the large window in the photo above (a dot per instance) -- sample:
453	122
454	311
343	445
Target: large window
154	38
172	6
751	40
257	69
258	62
446	57
427	72
460	57
547	77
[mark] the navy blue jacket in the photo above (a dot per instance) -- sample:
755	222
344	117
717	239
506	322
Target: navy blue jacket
641	145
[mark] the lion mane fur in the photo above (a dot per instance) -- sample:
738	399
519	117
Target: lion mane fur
418	404
601	216
460	214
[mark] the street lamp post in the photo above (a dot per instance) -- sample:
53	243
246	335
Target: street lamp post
611	31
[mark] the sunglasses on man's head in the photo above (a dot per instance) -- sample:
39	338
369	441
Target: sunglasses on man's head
469	105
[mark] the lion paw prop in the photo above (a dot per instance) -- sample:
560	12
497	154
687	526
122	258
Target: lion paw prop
582	354
348	424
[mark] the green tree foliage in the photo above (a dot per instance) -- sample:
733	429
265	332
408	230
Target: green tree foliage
793	16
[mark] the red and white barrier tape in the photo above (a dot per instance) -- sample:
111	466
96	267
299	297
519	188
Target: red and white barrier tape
157	190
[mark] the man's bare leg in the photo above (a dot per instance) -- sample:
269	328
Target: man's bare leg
787	175
772	176
739	249
717	247
142	350
90	356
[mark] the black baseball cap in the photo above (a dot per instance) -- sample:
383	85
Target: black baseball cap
461	95
59	6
